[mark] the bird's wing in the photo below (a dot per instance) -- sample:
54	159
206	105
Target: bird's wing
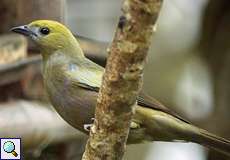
92	77
85	75
147	101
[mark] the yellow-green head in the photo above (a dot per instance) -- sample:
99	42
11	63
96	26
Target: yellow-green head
50	36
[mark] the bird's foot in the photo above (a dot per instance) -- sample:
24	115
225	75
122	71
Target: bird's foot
88	126
134	125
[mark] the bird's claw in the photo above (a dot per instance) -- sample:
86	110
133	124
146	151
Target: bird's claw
88	126
134	125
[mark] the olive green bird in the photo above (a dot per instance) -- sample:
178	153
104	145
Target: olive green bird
72	82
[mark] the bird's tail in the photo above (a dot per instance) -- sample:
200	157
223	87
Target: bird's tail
212	141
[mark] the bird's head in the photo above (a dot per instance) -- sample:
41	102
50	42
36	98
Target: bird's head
50	36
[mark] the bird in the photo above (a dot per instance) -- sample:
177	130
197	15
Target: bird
72	83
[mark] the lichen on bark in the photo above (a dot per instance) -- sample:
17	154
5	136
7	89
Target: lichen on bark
122	80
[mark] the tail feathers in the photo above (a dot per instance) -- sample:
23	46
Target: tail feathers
212	141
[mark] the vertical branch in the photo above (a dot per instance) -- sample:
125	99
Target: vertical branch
122	80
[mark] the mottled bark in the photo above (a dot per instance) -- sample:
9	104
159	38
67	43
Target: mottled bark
122	80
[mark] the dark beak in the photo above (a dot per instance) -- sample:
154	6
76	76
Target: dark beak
24	30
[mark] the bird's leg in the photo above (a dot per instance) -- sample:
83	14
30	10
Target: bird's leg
134	125
88	126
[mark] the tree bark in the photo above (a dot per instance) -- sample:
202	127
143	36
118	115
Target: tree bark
122	80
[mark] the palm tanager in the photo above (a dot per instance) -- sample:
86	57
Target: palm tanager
72	82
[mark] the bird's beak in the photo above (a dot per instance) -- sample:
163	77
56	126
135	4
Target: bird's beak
24	30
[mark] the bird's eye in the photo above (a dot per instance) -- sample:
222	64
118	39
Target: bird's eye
45	31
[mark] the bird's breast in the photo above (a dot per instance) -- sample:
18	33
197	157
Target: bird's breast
76	105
